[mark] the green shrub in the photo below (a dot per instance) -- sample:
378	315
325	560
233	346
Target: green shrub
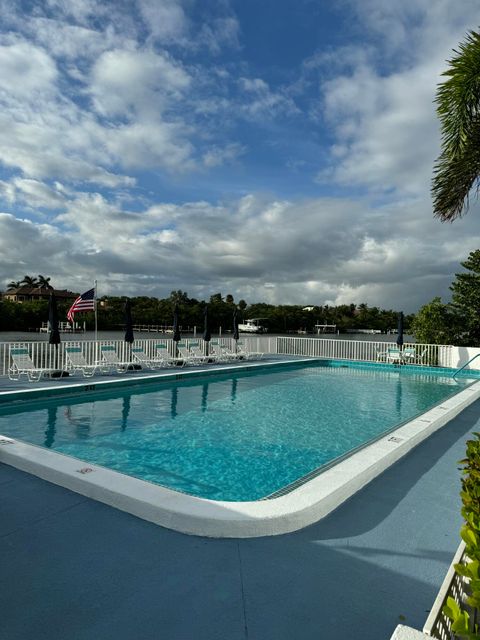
465	623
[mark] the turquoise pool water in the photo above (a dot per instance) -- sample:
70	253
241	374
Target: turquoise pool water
233	437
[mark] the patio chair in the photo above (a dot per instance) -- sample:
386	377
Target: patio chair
166	359
141	358
110	357
189	356
248	355
421	356
76	362
381	355
194	347
220	354
409	355
394	356
22	364
414	356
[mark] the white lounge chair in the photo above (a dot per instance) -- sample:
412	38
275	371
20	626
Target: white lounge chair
141	357
248	355
76	362
394	356
22	364
381	356
410	355
110	357
189	356
220	354
194	347
166	359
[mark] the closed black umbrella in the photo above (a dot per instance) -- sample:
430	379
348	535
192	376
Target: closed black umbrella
54	337
235	325
176	326
128	322
176	330
54	333
207	336
400	330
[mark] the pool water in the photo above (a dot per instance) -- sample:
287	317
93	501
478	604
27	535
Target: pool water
234	437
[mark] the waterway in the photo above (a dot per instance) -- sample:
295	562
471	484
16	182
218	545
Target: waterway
31	336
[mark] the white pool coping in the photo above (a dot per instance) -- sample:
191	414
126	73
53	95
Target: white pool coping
297	509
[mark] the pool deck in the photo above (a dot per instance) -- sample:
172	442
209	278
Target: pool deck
78	569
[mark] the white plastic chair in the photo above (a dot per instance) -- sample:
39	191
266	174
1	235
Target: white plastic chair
248	355
394	356
22	364
110	357
76	362
141	357
189	356
220	354
166	359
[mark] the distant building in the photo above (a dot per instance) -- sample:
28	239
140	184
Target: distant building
308	308
30	294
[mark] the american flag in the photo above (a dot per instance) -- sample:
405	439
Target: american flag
85	302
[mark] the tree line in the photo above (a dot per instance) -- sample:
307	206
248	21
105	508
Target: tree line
156	311
456	322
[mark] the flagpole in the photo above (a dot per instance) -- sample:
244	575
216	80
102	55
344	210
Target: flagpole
96	319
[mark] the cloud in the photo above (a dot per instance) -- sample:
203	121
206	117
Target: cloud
26	70
377	98
165	20
309	252
141	81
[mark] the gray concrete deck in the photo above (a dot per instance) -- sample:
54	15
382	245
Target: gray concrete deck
77	569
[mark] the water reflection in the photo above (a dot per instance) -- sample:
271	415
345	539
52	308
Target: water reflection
233	394
398	397
82	424
51	427
204	397
125	411
174	402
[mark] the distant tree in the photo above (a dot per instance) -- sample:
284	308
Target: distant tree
29	281
229	298
242	305
466	299
457	169
435	323
43	283
13	285
216	297
179	297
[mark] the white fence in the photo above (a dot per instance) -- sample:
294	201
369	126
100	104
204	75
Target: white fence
50	356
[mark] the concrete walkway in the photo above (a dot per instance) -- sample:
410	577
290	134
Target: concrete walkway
73	568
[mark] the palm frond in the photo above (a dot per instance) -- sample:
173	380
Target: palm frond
457	169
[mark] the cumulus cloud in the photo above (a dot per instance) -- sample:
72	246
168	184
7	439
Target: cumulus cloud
314	251
378	99
124	154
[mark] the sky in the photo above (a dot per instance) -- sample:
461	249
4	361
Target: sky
277	150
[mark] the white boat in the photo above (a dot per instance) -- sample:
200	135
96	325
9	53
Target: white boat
252	325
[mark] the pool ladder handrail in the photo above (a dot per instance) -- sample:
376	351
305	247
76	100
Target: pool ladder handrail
466	365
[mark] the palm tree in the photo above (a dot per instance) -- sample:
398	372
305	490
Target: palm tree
13	285
29	281
43	283
457	169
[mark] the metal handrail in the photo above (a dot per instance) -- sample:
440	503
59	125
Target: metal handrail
466	364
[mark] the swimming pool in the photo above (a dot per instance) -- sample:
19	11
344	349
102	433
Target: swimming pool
235	436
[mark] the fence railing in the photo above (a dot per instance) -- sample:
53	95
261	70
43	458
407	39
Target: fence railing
454	586
51	356
366	351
